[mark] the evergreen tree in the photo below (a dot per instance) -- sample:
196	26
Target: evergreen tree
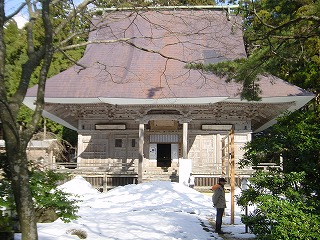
282	39
286	198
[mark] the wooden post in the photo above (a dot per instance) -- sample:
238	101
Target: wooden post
223	157
141	143
218	152
44	128
185	141
51	160
232	172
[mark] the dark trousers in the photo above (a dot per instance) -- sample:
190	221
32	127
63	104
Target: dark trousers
219	215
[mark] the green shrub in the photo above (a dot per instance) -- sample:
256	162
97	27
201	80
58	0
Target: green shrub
47	198
282	211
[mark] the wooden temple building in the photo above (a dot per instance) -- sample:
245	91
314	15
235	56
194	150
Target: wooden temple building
142	115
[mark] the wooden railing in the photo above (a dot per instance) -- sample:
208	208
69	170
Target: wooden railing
209	181
107	182
116	167
107	175
102	176
266	166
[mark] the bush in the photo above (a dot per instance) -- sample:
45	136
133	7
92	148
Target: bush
282	210
48	198
49	202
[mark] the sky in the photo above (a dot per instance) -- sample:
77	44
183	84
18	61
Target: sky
11	6
21	18
158	210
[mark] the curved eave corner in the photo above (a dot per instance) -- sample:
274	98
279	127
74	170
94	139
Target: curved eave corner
58	120
299	101
29	102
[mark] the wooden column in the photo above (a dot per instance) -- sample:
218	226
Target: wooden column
185	141
232	172
141	143
224	155
216	164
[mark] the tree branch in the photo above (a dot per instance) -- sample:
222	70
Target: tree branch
47	59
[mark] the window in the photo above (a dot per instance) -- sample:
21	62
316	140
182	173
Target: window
133	143
118	143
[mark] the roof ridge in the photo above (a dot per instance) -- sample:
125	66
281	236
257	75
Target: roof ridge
200	7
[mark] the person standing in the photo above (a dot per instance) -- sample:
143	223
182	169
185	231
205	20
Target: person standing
219	202
191	181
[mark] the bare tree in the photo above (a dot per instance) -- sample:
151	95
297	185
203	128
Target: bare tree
17	138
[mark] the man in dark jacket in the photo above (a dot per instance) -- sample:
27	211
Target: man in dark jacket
219	202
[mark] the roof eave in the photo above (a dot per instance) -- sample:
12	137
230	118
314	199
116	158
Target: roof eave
28	101
299	101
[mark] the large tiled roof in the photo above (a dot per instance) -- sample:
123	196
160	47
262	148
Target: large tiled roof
140	57
120	70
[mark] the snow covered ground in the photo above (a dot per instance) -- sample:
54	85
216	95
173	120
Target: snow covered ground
147	211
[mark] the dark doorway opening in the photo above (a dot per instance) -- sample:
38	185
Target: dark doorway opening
163	155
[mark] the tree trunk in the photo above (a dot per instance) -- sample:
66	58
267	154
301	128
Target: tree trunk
22	193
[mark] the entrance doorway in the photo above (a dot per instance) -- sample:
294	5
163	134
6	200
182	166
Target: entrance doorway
163	155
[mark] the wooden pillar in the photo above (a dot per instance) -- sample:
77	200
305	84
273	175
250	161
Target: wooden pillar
232	172
224	157
141	143
216	164
185	141
51	160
